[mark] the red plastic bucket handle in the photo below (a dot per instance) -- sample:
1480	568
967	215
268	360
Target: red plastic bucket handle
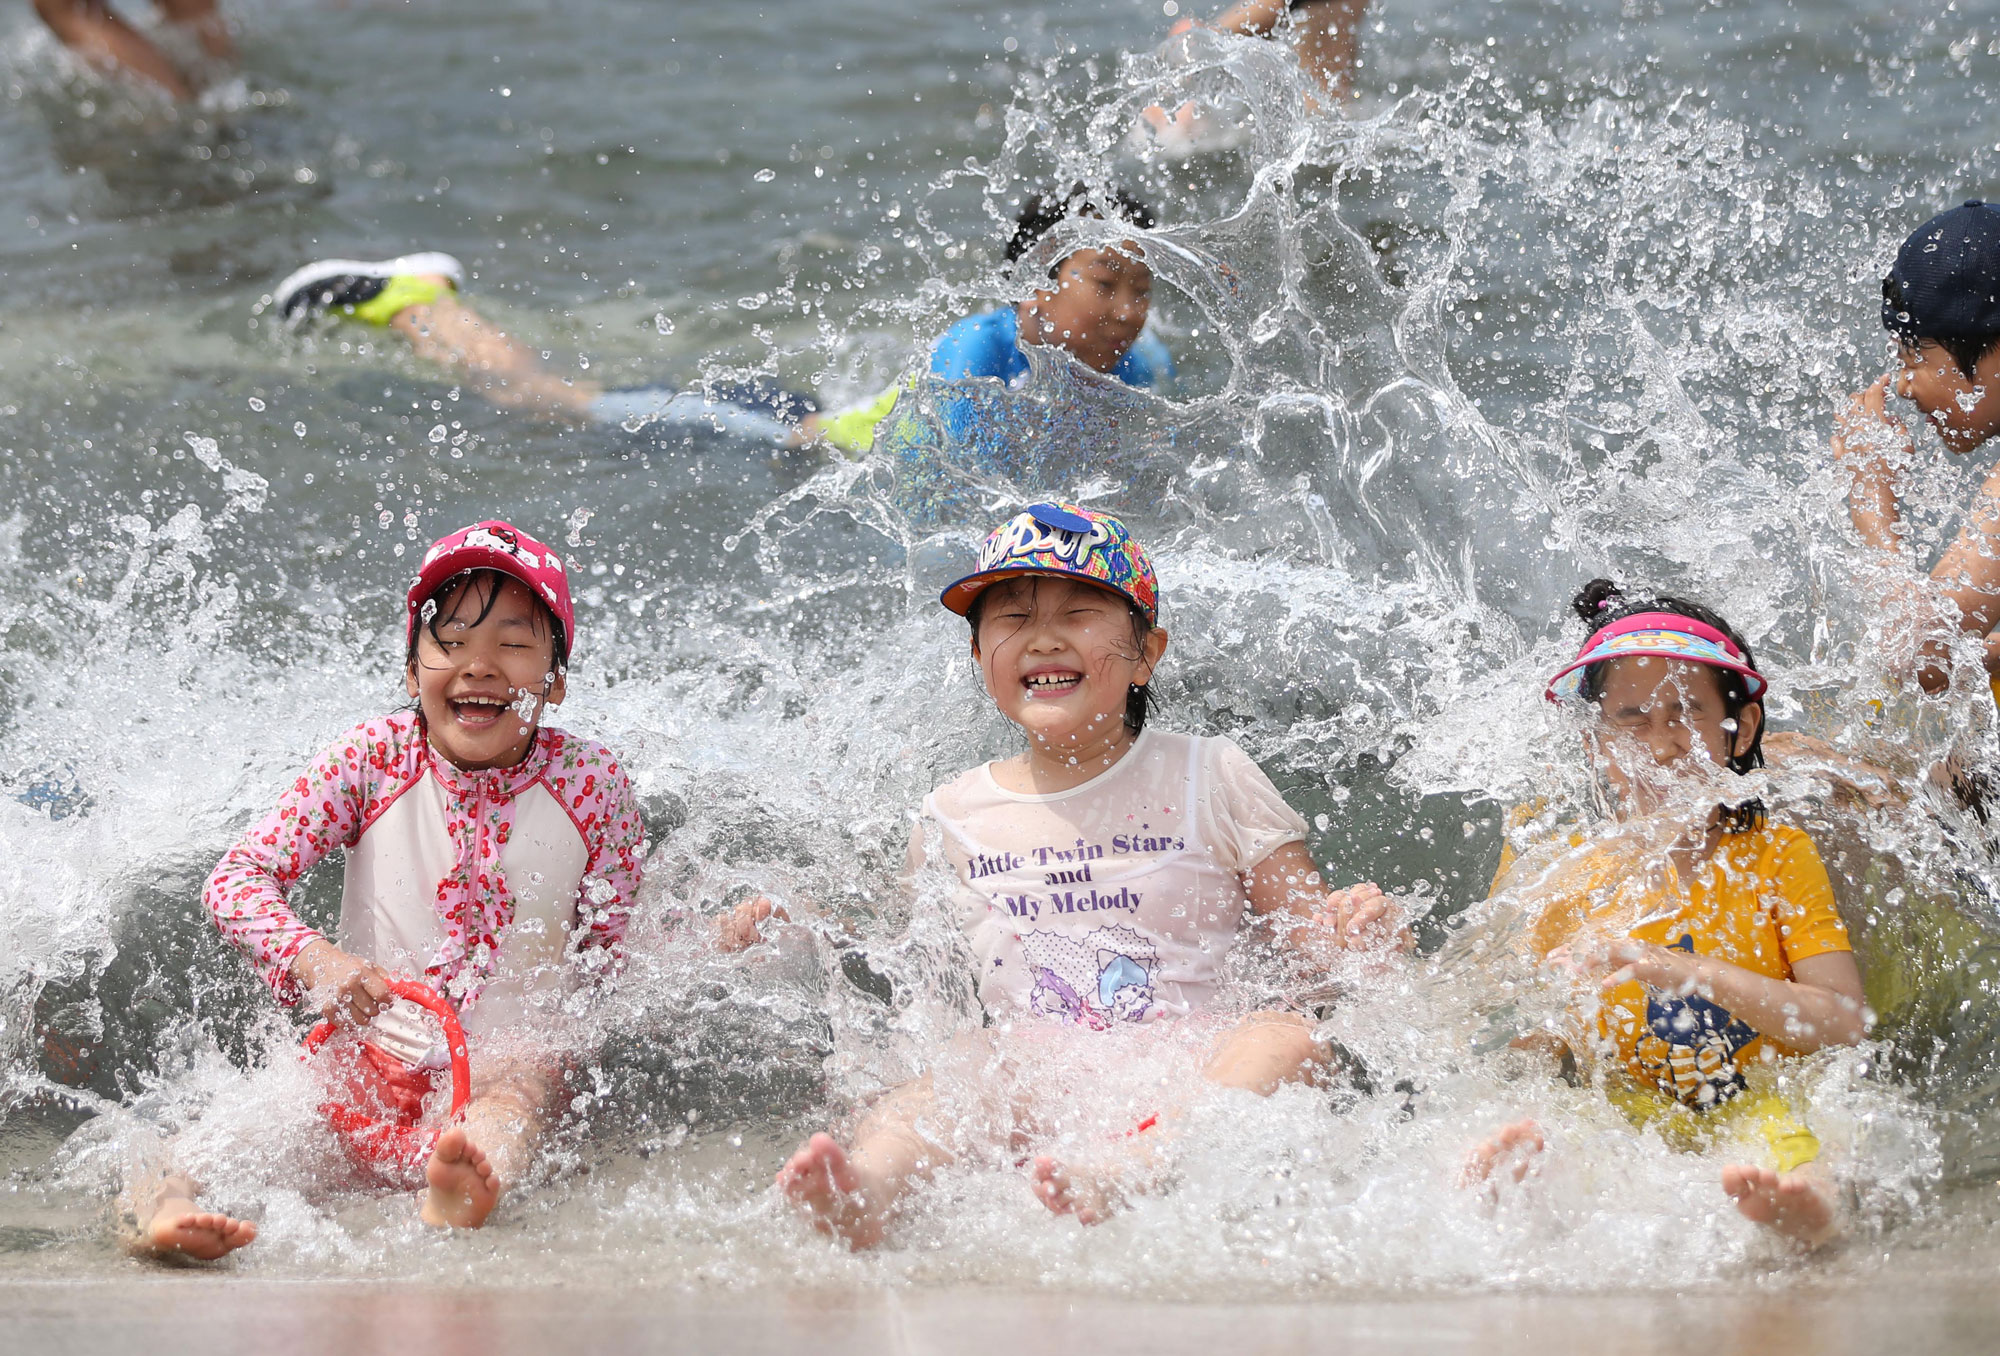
424	996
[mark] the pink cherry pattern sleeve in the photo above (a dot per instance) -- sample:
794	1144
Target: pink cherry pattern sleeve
328	807
592	788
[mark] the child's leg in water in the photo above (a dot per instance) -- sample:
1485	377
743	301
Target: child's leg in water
158	1217
502	369
853	1194
485	1154
1260	1054
94	31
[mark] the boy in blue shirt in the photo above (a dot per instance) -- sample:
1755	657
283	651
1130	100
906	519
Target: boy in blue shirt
1095	306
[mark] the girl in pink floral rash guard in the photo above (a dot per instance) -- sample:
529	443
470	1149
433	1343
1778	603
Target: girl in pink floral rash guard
490	856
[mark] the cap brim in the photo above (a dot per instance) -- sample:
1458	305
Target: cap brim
1560	690
470	560
958	597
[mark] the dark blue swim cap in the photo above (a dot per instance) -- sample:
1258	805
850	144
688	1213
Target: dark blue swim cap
1946	280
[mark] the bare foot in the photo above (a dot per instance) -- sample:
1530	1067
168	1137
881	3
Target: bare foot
180	1227
1066	1194
1512	1153
820	1180
464	1188
1797	1205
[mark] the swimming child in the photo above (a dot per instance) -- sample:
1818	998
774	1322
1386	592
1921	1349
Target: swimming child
492	856
1703	940
94	31
1161	843
1941	301
1095	305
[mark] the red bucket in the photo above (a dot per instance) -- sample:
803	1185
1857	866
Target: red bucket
379	1142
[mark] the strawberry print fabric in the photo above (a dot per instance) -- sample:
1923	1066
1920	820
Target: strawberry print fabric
346	791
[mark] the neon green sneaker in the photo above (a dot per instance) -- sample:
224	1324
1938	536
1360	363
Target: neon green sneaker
369	292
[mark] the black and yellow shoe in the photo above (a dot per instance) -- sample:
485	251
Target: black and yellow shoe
369	292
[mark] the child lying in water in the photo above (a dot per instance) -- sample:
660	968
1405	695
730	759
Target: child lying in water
1091	302
1159	842
491	855
1706	950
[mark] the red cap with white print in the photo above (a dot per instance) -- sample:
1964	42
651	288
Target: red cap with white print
498	546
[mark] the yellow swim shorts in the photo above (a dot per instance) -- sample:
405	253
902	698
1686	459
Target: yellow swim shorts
1759	1112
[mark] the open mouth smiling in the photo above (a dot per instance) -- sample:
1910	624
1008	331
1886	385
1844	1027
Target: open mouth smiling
478	712
1052	682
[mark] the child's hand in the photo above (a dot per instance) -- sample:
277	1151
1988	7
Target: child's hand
345	988
1866	434
1626	960
743	926
1362	918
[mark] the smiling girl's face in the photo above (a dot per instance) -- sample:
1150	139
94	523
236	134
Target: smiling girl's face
1060	658
1663	720
484	670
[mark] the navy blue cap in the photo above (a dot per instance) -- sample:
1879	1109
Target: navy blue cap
1946	280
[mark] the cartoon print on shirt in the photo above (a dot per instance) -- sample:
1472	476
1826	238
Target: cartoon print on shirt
1691	1046
1104	976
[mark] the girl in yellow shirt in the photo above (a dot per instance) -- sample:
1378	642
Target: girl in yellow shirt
1704	947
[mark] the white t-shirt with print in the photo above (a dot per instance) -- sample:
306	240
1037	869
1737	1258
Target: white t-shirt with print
1117	900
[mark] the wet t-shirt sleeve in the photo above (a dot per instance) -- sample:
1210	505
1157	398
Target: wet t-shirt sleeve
327	807
1244	818
1808	922
594	789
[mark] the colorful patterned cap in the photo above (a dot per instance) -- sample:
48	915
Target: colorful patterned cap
495	545
1063	541
1666	634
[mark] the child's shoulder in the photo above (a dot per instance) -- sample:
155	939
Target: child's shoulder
1220	755
1770	843
982	344
572	756
379	743
955	795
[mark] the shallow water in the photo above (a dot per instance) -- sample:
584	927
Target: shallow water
1568	290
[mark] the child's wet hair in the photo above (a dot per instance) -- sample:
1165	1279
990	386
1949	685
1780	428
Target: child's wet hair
1043	212
1138	701
486	585
1964	350
1601	602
